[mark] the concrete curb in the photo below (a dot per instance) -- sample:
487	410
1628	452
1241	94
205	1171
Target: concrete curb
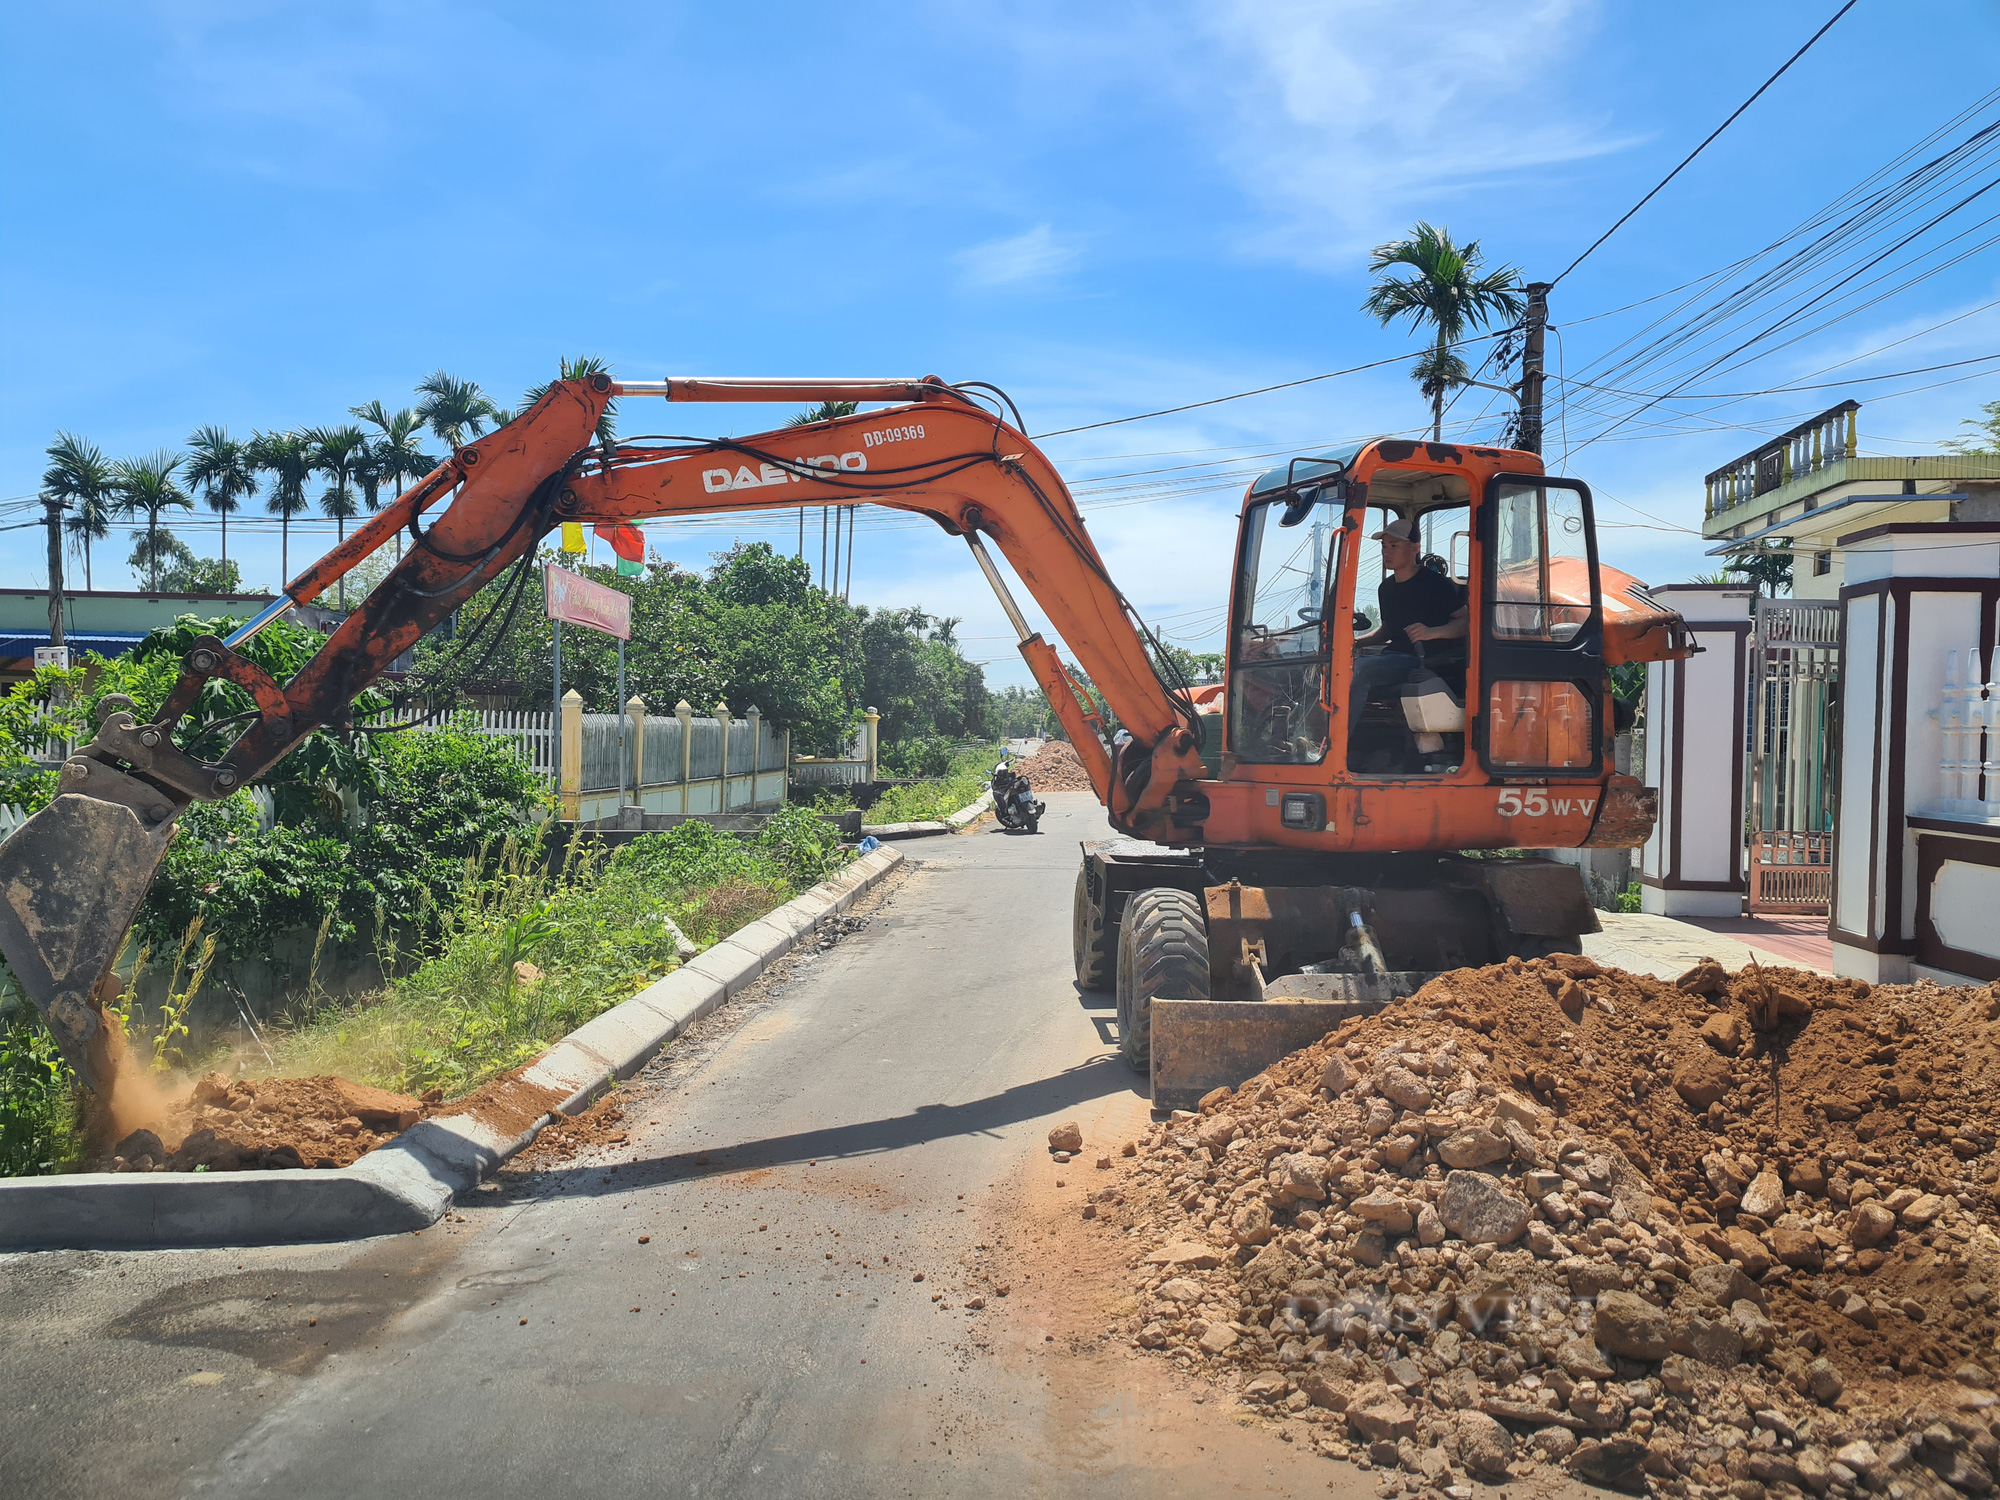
953	824
408	1183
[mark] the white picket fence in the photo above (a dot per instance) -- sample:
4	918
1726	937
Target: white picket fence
532	733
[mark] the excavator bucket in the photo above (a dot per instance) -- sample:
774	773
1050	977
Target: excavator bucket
71	880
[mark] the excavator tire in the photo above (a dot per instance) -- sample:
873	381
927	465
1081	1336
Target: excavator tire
1091	943
1162	955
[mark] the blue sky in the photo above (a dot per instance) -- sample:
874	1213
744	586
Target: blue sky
261	214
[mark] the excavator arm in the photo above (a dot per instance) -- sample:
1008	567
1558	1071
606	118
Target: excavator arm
73	877
978	478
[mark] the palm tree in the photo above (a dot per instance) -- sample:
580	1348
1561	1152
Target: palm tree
288	458
79	476
577	369
222	469
395	457
826	411
1448	293
147	484
452	408
341	454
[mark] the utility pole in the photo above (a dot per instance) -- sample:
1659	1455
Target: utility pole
1529	436
55	510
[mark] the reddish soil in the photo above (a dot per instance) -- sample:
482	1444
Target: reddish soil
273	1123
1054	768
564	1136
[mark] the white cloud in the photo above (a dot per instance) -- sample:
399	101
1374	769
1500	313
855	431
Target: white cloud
1035	255
1341	119
1347	117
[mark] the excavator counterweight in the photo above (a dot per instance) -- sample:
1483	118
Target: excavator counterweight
1419	640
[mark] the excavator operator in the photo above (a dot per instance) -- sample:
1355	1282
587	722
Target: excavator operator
1422	611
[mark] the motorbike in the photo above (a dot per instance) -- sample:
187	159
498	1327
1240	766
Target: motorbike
1014	801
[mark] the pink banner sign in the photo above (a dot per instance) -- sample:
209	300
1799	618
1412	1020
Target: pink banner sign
581	602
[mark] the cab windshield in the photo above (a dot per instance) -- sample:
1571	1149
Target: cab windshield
1279	641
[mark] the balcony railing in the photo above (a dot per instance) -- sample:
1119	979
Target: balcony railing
1807	448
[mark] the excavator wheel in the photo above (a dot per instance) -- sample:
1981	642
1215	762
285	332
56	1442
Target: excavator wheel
1091	943
1162	955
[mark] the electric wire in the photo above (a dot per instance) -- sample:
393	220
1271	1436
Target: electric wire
1737	112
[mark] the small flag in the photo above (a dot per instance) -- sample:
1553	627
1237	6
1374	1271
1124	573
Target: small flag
627	540
572	536
630	567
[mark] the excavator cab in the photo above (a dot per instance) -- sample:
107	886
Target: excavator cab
1417	673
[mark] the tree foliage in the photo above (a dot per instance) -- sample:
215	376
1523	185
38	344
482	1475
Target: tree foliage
752	630
1982	433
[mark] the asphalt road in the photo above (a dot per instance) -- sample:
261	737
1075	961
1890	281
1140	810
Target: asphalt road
826	1141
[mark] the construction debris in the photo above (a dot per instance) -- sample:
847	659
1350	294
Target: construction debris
1729	1234
1054	768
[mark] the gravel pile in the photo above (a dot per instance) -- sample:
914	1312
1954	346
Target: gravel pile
1054	768
1726	1235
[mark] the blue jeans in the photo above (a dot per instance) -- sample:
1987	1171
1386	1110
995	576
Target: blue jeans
1373	673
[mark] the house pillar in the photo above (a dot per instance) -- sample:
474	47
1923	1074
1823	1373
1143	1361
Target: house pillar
1692	865
1916	864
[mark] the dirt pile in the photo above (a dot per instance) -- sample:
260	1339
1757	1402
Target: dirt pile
1054	768
227	1126
1545	1211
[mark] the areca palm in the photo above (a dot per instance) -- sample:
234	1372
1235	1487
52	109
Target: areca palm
288	458
221	468
1448	294
149	484
341	454
395	457
454	409
82	478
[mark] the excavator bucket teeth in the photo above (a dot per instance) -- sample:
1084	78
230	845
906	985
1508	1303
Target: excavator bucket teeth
71	880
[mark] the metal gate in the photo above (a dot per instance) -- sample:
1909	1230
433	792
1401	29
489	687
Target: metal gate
1795	700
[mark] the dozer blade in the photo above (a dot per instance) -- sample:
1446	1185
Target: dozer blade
71	880
1200	1045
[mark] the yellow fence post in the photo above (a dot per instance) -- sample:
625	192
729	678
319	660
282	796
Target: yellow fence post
572	754
635	715
874	746
684	711
721	712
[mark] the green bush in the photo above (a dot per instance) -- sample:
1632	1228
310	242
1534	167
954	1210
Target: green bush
961	783
435	800
1628	899
40	1131
925	756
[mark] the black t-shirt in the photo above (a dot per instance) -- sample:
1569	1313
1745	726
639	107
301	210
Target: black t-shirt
1429	598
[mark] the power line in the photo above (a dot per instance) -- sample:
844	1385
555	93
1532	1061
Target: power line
1780	390
1711	137
1262	390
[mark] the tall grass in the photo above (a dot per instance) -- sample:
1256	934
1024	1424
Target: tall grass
527	954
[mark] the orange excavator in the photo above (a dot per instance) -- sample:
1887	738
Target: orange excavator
1296	843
